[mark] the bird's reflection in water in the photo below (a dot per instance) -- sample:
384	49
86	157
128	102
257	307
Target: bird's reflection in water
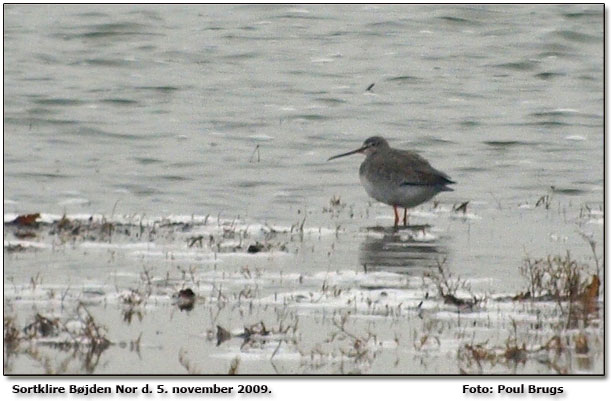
407	250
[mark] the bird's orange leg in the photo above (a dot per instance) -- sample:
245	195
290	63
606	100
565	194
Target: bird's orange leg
396	216
405	217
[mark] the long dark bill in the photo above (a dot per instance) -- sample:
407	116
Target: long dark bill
352	152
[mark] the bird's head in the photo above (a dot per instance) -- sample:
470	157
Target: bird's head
370	146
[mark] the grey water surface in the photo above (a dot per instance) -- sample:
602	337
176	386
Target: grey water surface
231	111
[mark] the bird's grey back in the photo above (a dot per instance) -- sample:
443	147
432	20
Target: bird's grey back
403	167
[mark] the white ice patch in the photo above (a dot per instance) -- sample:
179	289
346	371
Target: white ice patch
26	244
74	201
124	246
322	60
261	137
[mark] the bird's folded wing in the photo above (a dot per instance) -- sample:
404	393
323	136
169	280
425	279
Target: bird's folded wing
409	168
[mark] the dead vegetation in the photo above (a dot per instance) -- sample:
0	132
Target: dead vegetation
462	207
25	220
233	370
553	353
226	237
335	208
358	348
448	286
13	248
567	284
79	337
41	327
132	301
257	335
557	278
546	200
563	280
12	335
348	345
186	363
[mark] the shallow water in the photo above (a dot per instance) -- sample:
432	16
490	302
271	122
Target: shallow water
145	113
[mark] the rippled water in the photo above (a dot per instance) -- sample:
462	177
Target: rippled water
232	112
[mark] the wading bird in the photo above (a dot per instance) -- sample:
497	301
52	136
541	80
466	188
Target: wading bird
399	178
